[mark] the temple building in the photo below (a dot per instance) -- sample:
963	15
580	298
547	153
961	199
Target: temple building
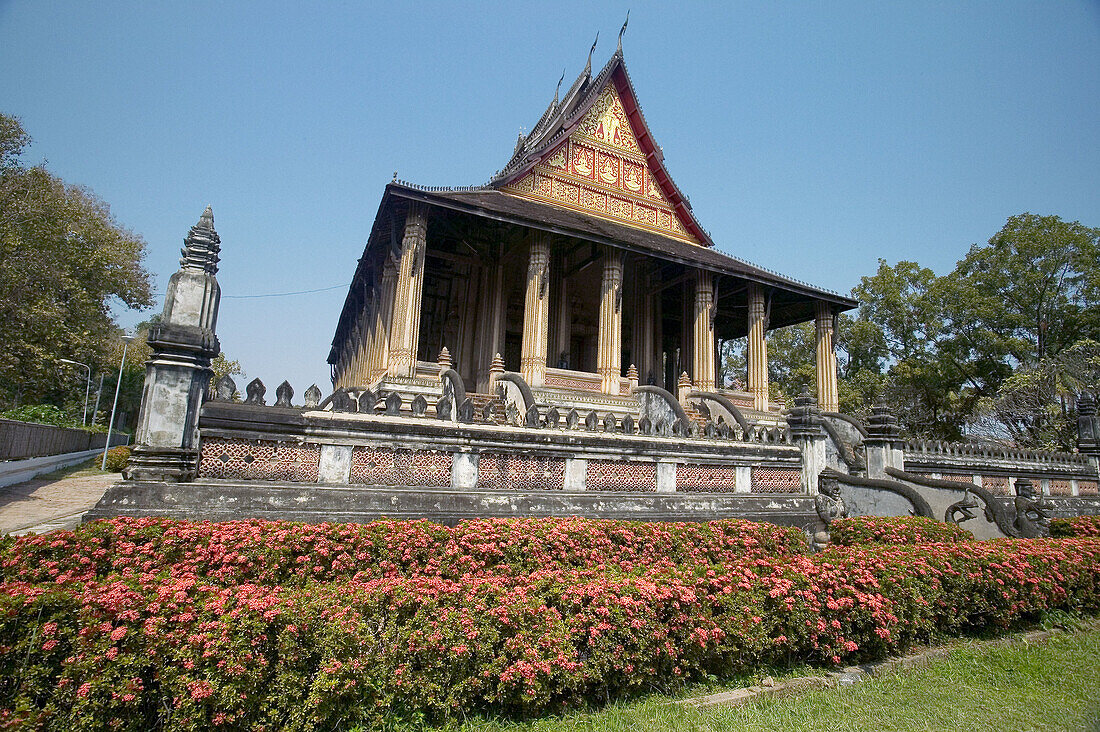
580	267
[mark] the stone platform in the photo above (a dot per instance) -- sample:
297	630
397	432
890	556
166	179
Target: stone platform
224	500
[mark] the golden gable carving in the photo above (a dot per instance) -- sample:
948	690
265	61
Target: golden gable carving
600	169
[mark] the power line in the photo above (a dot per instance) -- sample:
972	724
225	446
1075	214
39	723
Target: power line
272	294
284	294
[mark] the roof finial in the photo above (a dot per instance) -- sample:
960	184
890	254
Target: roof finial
622	30
588	66
558	89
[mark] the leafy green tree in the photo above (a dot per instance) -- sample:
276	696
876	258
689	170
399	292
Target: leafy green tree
1031	292
63	261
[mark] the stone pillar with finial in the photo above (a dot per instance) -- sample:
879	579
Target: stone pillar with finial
883	442
496	370
632	376
683	389
444	360
177	374
1088	429
804	421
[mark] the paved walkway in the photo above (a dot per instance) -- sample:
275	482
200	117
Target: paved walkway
45	504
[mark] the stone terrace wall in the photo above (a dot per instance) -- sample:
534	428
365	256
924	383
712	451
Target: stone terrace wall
253	442
997	468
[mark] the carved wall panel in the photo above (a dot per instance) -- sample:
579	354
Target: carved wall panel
258	460
620	475
401	468
520	472
776	480
706	478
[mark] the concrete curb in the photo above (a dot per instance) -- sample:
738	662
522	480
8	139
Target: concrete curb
849	676
20	471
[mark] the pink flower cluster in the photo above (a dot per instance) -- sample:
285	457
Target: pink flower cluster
894	530
1075	526
183	625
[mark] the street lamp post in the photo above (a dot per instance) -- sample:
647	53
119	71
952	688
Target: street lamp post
87	386
118	387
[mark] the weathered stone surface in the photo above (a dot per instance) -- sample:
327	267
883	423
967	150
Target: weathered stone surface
312	397
254	392
367	402
572	419
283	394
225	389
314	503
335	464
532	419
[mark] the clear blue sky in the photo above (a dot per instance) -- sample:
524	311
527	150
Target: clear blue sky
812	138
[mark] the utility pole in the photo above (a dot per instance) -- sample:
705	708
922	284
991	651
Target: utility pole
118	387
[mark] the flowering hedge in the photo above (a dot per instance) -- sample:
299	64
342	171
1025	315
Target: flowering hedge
1076	526
283	552
125	623
894	530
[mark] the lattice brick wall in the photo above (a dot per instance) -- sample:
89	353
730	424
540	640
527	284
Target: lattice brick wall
1087	488
996	484
1061	488
957	478
776	480
412	468
520	472
258	460
706	478
620	475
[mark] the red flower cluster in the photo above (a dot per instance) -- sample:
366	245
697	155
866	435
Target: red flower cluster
894	530
1076	526
183	625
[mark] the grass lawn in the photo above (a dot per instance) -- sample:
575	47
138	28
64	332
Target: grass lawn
1053	684
80	470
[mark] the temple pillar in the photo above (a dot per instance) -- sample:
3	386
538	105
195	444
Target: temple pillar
826	359
703	342
383	313
490	322
758	348
609	353
645	348
536	312
405	329
564	322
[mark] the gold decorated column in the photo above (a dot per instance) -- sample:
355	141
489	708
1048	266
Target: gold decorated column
610	347
703	342
383	314
536	312
826	359
758	348
405	330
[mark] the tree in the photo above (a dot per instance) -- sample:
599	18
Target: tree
63	261
1031	292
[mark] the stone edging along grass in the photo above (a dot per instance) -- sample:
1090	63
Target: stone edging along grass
850	675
